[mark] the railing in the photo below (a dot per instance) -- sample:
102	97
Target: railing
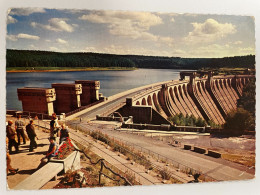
111	110
149	90
83	108
102	166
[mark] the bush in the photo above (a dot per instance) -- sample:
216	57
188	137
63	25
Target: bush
238	121
188	120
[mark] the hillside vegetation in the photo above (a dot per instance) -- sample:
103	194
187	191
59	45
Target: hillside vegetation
29	58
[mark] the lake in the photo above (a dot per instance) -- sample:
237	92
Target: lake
111	82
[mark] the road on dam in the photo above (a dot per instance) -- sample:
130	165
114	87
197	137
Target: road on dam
113	102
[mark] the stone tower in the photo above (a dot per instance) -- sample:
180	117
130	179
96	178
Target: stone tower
38	100
68	97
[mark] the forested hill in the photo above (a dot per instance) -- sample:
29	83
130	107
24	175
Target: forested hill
28	58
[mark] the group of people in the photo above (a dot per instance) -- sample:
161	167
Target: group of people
56	130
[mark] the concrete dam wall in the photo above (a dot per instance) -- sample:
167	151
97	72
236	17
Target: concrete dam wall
201	94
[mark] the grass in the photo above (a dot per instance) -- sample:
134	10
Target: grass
53	69
241	159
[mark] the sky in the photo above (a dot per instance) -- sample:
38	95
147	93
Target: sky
130	32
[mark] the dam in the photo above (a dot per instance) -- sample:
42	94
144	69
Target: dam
196	93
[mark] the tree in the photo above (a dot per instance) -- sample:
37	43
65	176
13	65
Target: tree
238	121
200	122
247	101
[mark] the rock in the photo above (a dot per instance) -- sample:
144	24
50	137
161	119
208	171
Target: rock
80	177
164	181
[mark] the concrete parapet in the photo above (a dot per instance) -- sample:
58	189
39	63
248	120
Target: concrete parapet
68	97
189	129
187	147
200	150
37	99
214	154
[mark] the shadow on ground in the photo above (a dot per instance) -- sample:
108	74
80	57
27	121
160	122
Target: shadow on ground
26	172
33	153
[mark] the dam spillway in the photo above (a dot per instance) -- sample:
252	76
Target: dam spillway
201	94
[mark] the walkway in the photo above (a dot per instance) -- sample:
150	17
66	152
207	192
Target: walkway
26	161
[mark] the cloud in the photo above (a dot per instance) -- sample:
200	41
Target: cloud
129	24
238	42
246	50
33	47
27	36
22	36
134	25
61	41
11	37
166	40
11	20
55	24
53	48
25	11
217	50
209	31
172	20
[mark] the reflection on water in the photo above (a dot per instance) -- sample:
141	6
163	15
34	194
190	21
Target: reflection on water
112	82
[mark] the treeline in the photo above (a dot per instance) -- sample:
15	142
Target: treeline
29	58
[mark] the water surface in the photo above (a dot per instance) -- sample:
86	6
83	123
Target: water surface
111	82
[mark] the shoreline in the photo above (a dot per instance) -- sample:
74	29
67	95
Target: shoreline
73	70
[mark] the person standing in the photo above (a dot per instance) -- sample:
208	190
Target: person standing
19	126
54	125
9	168
10	133
64	133
32	135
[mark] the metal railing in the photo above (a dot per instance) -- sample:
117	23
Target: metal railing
83	108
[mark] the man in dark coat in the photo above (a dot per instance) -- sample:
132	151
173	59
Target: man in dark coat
32	135
10	133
